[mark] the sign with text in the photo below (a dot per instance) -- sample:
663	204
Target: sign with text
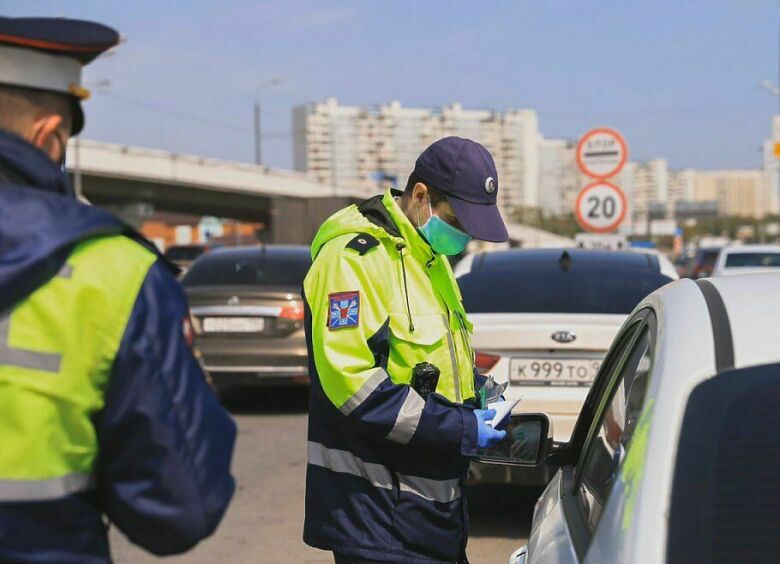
601	207
602	153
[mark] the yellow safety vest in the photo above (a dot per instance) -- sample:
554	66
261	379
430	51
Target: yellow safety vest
57	349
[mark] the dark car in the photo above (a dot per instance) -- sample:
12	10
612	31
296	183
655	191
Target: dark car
703	262
247	314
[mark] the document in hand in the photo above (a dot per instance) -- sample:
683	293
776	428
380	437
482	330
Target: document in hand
503	409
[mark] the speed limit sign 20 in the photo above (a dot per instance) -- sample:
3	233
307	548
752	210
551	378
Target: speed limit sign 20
601	207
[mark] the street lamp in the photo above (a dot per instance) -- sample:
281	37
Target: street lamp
267	84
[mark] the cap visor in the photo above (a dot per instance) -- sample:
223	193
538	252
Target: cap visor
481	221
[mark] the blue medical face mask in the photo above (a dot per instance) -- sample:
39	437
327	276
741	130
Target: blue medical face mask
441	236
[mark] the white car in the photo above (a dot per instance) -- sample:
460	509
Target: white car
543	320
675	454
747	259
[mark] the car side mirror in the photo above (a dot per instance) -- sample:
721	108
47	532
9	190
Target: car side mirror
527	442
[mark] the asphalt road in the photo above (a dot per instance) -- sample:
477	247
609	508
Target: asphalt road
265	519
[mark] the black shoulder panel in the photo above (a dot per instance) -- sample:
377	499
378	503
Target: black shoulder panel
362	243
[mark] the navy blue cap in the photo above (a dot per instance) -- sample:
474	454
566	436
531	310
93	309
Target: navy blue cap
464	170
49	53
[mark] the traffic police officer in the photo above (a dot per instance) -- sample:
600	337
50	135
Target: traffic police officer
387	459
103	408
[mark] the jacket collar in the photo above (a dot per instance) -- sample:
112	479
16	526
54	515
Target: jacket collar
417	246
24	164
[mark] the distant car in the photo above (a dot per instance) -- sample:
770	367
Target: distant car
747	259
703	262
675	451
543	320
247	314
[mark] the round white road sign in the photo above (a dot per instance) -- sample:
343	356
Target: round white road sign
602	152
601	207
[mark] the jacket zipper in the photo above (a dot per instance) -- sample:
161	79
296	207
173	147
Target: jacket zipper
465	336
454	360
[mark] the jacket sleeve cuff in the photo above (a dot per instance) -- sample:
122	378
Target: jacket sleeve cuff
468	442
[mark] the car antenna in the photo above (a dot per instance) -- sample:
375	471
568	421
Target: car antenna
565	261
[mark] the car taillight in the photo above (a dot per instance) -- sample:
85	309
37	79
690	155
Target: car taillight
189	336
485	362
293	311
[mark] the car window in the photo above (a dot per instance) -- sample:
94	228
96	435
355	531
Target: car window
742	260
600	464
551	289
243	269
708	258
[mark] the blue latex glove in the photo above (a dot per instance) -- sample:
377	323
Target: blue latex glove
487	436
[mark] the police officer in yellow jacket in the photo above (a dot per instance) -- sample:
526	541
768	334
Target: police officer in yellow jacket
393	412
104	411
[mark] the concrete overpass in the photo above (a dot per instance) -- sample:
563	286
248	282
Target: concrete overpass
134	182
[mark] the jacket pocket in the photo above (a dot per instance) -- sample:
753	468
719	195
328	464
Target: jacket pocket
427	343
424	330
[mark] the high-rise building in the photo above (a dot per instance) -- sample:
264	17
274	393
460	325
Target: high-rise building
559	177
363	146
355	146
738	192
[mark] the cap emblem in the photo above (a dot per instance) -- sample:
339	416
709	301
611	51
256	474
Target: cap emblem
490	185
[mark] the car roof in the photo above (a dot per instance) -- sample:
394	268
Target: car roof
736	249
752	320
538	257
753	310
257	251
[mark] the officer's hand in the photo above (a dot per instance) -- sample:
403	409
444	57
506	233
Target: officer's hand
487	436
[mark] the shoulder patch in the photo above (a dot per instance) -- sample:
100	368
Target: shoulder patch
362	243
344	310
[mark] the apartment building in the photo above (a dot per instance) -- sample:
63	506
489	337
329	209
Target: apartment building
738	192
356	145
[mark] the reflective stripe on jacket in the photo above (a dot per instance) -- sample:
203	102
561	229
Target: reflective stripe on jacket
386	468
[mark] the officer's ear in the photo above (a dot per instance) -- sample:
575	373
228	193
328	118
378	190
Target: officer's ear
420	195
48	133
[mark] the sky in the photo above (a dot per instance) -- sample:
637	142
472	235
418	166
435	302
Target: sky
680	79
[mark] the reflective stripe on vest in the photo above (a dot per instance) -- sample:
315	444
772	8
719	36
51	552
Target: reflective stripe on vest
443	491
43	490
57	349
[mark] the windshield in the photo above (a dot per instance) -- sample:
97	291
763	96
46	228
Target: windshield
755	260
534	288
232	269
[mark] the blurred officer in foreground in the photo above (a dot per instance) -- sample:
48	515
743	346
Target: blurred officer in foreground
103	408
393	415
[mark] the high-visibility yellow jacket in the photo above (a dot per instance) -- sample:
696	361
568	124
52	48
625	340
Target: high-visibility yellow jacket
386	468
104	410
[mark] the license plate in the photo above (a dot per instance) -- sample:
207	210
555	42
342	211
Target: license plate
553	372
233	324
